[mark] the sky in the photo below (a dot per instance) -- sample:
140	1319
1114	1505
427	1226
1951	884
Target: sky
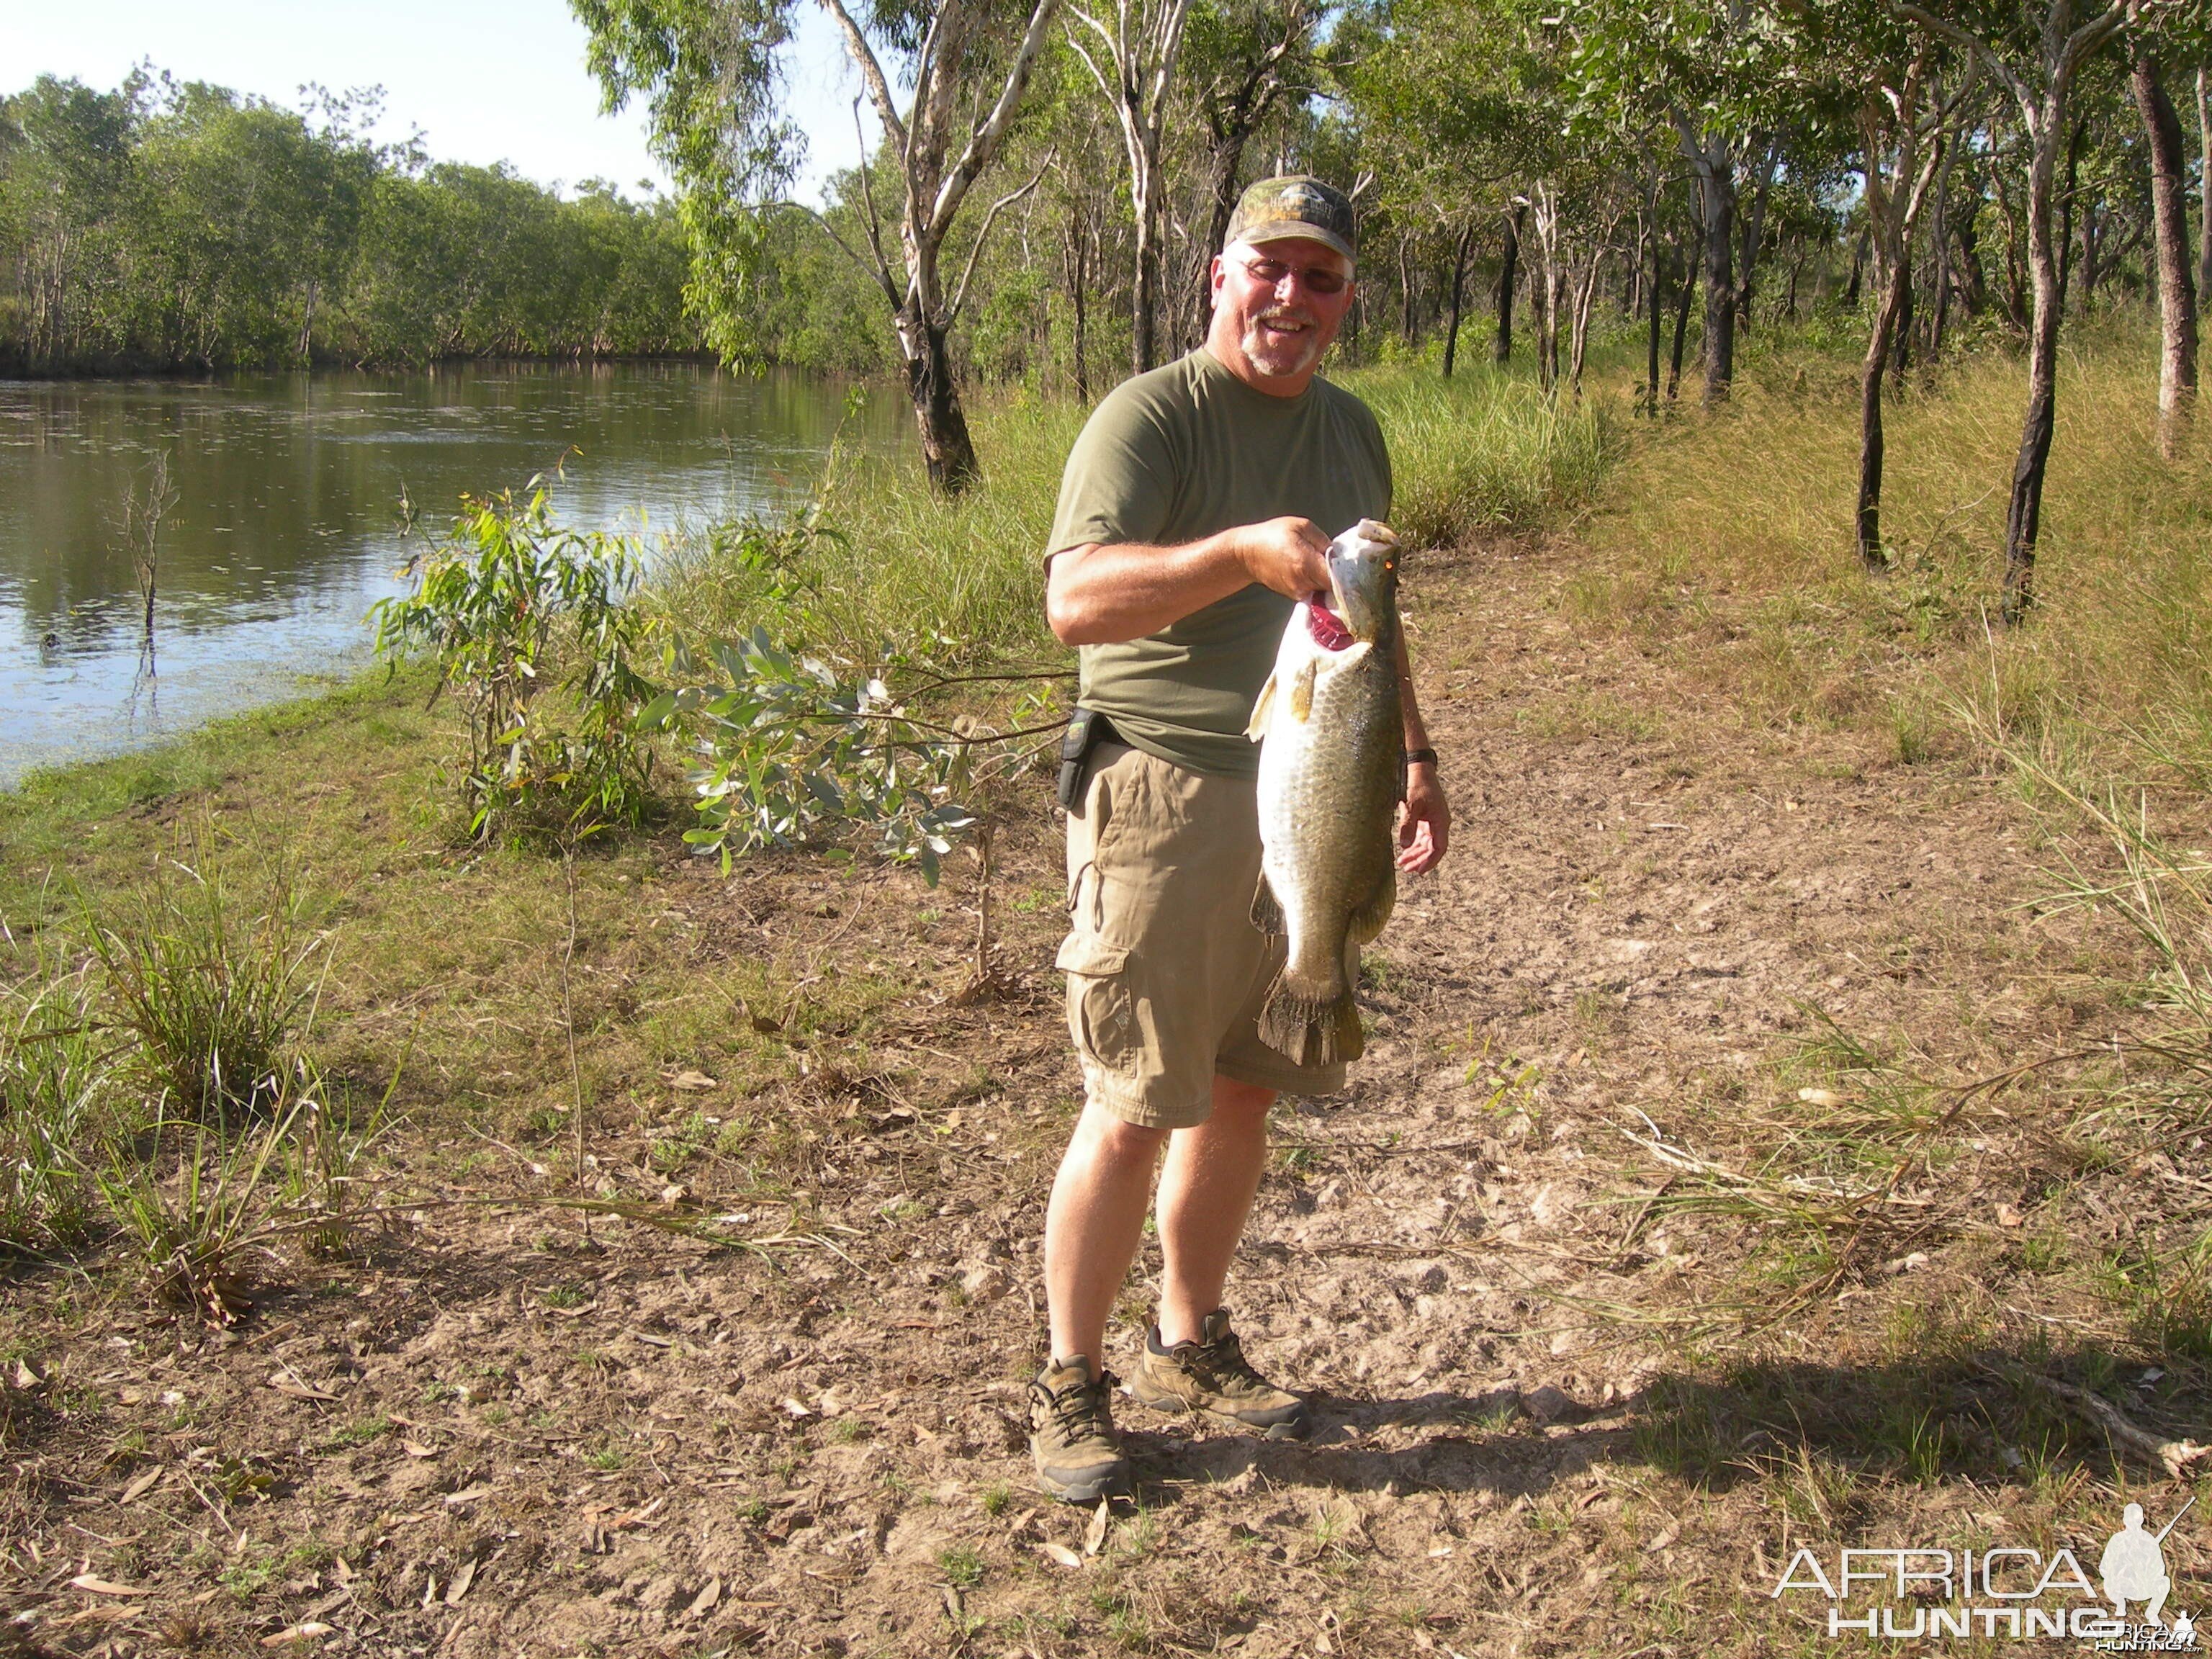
484	80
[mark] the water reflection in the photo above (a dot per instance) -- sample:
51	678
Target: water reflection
287	524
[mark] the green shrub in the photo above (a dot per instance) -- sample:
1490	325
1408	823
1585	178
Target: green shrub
510	605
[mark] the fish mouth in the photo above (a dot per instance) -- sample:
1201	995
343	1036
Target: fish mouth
1327	629
1326	610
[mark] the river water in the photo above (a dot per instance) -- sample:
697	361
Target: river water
286	524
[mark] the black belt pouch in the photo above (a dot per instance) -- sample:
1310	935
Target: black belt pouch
1086	729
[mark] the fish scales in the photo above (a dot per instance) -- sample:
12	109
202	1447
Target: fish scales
1330	725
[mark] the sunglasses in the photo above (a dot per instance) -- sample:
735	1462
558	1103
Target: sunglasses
1318	279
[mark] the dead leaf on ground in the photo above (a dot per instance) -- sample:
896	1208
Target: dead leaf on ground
85	1580
1061	1553
144	1484
705	1599
419	1449
459	1587
692	1080
1094	1536
291	1633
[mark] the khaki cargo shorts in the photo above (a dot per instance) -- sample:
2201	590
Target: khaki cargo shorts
1165	972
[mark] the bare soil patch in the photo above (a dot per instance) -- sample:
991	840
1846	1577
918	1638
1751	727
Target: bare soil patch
1577	1394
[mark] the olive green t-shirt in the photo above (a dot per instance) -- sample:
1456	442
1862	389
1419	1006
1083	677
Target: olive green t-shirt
1174	456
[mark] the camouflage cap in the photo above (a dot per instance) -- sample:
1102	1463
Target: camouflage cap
1295	204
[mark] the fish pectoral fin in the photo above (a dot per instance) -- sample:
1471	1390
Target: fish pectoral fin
1370	918
1302	691
1256	727
1267	910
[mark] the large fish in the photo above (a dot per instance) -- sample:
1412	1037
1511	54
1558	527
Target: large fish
1331	760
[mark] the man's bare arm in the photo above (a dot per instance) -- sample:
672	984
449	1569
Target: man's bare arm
1101	594
1424	821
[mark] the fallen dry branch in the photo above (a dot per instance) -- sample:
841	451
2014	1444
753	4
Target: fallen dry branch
2175	1455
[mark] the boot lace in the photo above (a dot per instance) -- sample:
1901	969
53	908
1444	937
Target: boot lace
1078	1411
1222	1364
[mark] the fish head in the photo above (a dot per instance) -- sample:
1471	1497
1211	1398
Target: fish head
1362	601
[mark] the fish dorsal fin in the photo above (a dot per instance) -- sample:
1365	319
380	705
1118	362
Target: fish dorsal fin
1256	727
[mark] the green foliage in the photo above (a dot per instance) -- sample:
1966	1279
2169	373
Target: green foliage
210	978
707	70
792	750
501	607
192	1214
164	224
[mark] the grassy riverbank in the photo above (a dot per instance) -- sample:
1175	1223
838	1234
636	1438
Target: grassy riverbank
1749	844
343	807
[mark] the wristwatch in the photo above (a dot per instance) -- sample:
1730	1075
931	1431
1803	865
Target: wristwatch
1420	758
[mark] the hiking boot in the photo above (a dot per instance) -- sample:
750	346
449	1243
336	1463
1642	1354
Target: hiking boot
1079	1460
1214	1377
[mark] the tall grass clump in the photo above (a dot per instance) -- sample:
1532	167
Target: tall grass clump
198	1201
54	1074
210	968
1484	451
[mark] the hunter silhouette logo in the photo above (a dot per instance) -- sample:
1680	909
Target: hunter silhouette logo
2005	1590
2133	1567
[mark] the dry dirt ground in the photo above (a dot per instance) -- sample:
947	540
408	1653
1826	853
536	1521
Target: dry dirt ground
1562	1407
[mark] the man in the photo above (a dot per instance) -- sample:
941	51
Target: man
1196	507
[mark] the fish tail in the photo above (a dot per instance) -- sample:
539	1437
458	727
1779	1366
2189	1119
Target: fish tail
1311	1023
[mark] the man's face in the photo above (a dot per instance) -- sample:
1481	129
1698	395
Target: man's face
1277	305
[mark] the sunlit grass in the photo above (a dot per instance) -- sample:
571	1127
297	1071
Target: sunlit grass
886	562
1727	540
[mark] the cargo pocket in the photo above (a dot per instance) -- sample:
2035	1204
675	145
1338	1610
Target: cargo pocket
1101	1014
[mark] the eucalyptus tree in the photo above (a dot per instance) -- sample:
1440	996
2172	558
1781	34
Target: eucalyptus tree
710	72
2204	185
2036	50
2176	292
249	213
1139	46
1455	104
1244	61
2178	289
1902	118
1719	75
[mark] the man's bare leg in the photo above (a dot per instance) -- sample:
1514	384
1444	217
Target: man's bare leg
1093	1225
1213	1174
